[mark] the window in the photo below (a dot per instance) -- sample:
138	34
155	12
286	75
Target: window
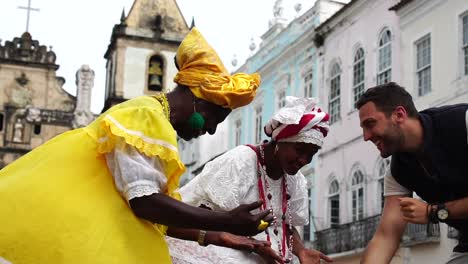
357	192
281	99
334	97
307	231
334	203
383	165
1	122
238	132
358	75
465	43
37	129
423	65
155	73
258	124
308	84
384	72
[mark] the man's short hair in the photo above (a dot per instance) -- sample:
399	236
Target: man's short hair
387	97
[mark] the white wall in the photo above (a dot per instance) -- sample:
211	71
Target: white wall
136	60
441	19
344	148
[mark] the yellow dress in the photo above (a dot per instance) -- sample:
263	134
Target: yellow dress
59	203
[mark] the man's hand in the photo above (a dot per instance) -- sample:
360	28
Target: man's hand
310	256
414	210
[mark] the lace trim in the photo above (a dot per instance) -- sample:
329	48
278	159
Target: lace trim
140	188
149	146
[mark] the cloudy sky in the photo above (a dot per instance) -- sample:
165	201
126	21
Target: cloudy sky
79	30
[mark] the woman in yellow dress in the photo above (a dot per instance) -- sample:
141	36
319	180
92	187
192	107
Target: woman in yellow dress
105	193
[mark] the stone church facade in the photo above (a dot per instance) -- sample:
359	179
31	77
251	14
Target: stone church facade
34	107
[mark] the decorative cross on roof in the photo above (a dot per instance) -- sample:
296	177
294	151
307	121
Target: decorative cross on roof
28	9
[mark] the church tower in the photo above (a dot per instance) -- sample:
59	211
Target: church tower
140	56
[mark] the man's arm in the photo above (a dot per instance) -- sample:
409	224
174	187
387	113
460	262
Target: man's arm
386	240
458	209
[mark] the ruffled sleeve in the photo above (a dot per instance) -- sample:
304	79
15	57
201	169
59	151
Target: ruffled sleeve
140	123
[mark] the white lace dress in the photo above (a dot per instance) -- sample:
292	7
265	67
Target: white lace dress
225	183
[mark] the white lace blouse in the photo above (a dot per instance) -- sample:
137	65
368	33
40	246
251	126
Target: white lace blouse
225	183
135	174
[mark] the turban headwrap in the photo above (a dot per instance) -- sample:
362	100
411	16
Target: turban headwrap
300	120
201	69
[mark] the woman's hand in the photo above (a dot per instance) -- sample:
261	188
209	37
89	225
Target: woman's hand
310	256
223	239
246	224
268	255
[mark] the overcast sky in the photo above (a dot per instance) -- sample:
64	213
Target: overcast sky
79	30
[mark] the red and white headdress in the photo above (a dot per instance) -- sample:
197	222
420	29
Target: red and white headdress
300	120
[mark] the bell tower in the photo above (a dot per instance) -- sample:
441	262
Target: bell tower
140	56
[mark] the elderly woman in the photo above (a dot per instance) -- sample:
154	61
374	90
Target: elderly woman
93	195
269	172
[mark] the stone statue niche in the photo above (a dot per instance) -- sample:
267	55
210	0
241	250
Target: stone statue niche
18	131
155	73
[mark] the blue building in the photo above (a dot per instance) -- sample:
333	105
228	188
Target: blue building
287	60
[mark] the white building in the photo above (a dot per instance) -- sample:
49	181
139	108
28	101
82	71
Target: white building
366	44
434	59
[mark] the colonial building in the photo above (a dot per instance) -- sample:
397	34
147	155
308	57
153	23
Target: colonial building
365	44
434	59
34	107
287	60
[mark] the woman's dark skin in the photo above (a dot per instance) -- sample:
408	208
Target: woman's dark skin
289	158
162	209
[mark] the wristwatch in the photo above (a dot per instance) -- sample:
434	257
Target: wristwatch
442	212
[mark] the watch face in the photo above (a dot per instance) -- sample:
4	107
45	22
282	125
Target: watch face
442	214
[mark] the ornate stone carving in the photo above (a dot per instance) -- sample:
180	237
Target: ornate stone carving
84	83
25	49
278	9
82	119
20	94
33	115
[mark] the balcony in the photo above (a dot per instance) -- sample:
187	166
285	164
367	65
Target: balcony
357	235
419	234
347	237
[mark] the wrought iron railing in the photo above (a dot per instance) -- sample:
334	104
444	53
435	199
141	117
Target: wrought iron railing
418	234
357	235
347	237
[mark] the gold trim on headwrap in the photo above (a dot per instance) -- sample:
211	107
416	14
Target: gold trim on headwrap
201	69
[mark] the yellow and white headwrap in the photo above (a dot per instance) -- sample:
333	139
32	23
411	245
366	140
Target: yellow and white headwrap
201	69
